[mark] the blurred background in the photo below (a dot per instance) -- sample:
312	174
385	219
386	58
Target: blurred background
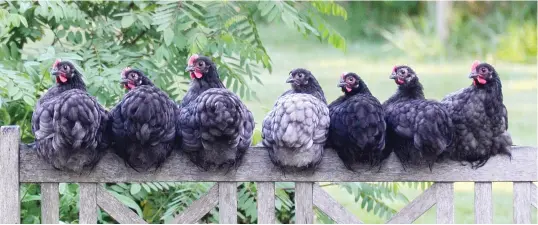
256	45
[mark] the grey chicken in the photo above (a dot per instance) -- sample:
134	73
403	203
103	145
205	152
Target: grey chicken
143	122
69	125
357	130
418	130
216	127
480	117
296	129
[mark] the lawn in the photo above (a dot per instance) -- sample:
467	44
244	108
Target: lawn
374	65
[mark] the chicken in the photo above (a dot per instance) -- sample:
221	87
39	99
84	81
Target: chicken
69	125
480	118
357	128
216	127
418	130
143	122
296	129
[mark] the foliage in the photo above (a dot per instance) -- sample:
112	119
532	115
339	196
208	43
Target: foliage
505	30
104	37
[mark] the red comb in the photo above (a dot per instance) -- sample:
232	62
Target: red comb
475	64
394	68
124	70
192	58
56	63
343	74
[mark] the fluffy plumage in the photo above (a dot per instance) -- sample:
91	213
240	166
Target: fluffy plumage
216	127
69	125
480	117
143	123
418	130
357	130
297	127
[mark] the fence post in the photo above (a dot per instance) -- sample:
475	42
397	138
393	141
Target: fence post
9	177
522	203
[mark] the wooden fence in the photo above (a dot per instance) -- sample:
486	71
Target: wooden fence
19	165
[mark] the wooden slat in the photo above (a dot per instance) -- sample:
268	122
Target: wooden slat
88	203
445	203
257	166
199	208
10	205
522	203
304	211
115	208
266	202
332	208
417	207
483	204
534	196
227	202
50	203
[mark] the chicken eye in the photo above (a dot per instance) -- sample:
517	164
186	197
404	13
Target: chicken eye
65	67
350	80
132	75
300	75
483	70
201	63
402	72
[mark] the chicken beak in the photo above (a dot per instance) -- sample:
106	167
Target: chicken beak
473	75
342	83
189	68
54	72
392	76
124	81
290	80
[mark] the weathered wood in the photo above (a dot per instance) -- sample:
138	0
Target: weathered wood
199	208
227	202
417	207
534	195
332	208
445	203
522	203
50	203
256	166
88	203
483	204
266	202
115	208
304	208
10	205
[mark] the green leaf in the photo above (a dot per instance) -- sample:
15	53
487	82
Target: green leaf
127	21
168	36
23	20
135	188
128	202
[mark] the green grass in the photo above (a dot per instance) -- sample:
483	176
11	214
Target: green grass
374	65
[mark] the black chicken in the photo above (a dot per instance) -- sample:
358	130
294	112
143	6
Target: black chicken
480	117
418	130
143	123
297	127
216	127
69	125
357	130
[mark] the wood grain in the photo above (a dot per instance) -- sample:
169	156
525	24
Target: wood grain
332	208
199	208
256	166
266	202
417	207
304	210
10	205
522	203
227	202
445	202
534	195
116	209
50	203
88	203
483	204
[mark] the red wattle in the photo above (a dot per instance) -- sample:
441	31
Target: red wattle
130	86
481	80
399	81
348	89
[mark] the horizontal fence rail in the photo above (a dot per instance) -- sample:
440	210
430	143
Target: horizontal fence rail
256	166
22	165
